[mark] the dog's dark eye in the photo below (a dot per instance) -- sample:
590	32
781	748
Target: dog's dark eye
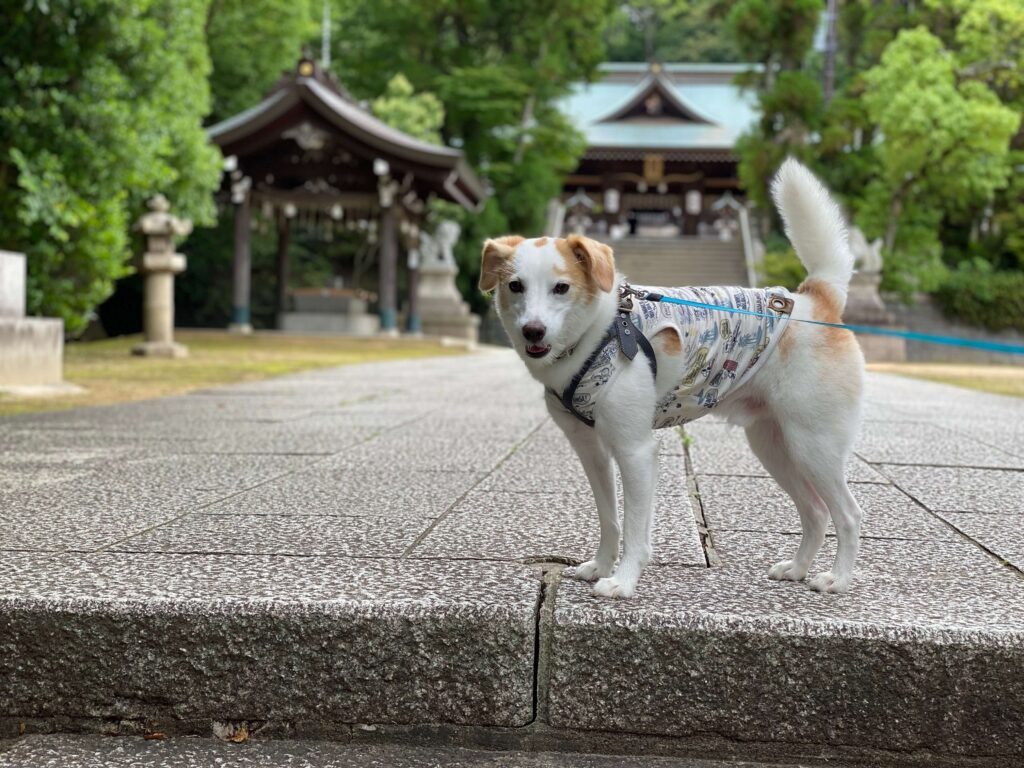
515	286
561	288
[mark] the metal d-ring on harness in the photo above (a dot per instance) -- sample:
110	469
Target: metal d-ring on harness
630	338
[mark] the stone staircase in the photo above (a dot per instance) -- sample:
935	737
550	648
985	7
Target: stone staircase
681	261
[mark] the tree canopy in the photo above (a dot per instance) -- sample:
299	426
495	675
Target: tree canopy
101	104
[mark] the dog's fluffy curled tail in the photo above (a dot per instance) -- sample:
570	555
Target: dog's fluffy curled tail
815	226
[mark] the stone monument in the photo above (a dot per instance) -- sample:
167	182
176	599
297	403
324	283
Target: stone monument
31	348
442	309
159	265
864	305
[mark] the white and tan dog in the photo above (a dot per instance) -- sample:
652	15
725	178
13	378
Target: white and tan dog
801	409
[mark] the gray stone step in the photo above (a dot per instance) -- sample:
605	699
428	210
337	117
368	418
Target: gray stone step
686	261
64	751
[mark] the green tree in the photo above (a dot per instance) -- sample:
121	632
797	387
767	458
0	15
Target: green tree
251	43
776	35
945	149
670	30
498	78
417	114
101	105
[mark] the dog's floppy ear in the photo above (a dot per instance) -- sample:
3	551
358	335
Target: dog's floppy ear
596	259
495	258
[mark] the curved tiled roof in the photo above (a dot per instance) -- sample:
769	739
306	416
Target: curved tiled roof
720	110
349	118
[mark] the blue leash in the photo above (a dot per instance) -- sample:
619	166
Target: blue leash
952	341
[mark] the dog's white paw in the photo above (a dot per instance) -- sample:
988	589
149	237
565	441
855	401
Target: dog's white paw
613	587
787	570
592	570
829	582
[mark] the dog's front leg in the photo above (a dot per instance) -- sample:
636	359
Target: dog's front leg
597	464
635	451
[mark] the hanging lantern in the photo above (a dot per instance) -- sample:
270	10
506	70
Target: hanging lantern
694	202
611	200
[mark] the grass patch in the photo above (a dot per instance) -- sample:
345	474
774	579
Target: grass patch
111	374
998	379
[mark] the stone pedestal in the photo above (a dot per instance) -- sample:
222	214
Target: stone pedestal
329	310
159	265
864	306
31	348
442	310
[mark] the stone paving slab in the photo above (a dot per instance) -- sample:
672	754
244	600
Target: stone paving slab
278	638
325	489
726	651
299	535
929	444
63	751
758	504
559	527
1003	535
945	489
948	559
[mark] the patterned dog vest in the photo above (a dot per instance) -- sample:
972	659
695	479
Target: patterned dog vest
723	350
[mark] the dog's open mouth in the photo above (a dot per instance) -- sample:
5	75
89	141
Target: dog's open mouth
537	350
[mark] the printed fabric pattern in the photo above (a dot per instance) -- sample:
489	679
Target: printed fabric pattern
723	350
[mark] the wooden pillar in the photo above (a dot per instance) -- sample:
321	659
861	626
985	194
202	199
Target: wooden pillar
284	231
412	323
387	270
241	288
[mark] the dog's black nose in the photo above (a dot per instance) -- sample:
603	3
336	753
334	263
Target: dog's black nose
534	332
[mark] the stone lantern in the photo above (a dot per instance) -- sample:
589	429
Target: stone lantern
159	266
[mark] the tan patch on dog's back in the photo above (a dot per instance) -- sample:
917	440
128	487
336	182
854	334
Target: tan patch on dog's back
669	341
838	345
827	308
826	302
540	242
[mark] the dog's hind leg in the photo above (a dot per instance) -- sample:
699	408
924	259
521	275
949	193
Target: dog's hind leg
765	438
822	460
597	464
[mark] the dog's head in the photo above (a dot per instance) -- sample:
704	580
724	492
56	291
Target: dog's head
549	290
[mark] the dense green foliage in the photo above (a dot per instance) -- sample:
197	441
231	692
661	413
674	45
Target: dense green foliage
977	295
499	80
669	30
101	104
251	43
417	114
921	136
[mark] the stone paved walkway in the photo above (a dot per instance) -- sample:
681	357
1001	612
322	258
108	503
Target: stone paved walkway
382	544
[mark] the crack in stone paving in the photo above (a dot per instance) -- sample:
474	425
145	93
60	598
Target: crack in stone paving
544	619
711	557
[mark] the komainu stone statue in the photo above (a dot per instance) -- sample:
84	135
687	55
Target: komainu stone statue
442	309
